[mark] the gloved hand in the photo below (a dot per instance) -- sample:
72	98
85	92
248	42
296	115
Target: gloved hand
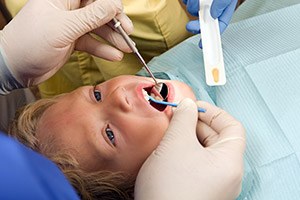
182	168
221	9
40	39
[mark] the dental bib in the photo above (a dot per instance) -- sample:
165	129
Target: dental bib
262	62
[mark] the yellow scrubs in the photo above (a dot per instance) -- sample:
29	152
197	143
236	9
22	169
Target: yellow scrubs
158	26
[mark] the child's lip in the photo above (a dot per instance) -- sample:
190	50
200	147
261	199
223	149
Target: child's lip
171	94
168	111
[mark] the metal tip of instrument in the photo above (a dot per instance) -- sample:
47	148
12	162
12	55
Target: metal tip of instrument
131	44
158	85
146	66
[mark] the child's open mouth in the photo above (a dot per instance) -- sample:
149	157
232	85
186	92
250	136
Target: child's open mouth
150	91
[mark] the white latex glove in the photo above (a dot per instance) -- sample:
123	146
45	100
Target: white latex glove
41	38
182	168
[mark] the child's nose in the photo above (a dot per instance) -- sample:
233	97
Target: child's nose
118	100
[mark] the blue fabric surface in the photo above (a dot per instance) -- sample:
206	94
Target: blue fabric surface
25	174
262	62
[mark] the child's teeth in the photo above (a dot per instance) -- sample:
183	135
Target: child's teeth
146	96
144	92
157	98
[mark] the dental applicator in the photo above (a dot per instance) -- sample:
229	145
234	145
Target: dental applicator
171	104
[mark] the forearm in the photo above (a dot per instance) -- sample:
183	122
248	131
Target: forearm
7	81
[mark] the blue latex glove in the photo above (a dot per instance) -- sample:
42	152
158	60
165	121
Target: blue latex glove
221	9
28	175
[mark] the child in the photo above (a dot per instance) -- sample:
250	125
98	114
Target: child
99	135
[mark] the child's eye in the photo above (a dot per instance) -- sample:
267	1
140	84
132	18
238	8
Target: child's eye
97	95
110	135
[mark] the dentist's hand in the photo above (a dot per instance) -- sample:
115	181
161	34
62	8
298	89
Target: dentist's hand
41	38
182	168
221	9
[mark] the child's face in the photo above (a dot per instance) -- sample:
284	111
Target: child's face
117	133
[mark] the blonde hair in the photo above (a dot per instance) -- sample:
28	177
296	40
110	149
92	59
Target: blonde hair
105	185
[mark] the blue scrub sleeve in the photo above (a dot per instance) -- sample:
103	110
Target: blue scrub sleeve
27	175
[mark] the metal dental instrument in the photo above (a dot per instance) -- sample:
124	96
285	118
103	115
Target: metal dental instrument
117	24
